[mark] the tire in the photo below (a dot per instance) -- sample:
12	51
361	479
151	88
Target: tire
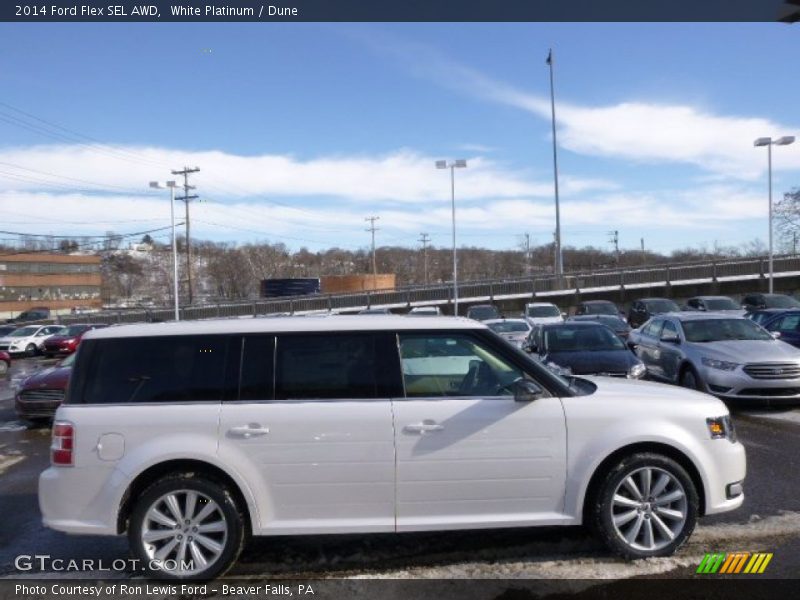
220	544
658	524
3	368
690	379
30	350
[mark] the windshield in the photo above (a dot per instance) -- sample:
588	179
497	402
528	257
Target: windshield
25	331
661	306
543	311
717	330
509	327
74	330
721	304
581	339
483	313
601	308
781	302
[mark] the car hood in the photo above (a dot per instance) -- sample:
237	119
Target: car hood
17	340
636	390
544	320
53	377
744	351
604	361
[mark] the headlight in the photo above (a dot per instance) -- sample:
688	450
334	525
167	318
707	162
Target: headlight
719	364
637	371
721	427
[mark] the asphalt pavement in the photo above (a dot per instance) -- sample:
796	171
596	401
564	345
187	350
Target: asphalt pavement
769	521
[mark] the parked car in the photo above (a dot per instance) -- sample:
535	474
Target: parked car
730	357
785	324
43	392
713	304
483	312
597	307
375	311
515	331
584	348
6	329
39	313
5	363
543	312
758	301
615	324
28	340
642	310
426	311
67	340
276	438
763	315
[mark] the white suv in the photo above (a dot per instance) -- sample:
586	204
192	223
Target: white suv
192	436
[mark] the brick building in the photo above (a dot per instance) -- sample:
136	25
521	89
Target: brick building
57	281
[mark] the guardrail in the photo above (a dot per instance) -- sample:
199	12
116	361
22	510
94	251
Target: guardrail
468	291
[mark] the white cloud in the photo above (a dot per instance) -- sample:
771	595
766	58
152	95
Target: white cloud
636	131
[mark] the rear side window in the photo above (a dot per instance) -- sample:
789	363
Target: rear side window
151	369
337	365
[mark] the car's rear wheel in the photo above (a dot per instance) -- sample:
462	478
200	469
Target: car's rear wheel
646	506
186	527
30	350
3	368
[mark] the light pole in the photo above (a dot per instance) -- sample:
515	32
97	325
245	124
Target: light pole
769	143
559	266
453	165
172	185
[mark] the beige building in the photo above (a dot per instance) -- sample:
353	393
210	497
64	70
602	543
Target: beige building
57	281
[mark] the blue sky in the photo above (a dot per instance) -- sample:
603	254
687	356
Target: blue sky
303	130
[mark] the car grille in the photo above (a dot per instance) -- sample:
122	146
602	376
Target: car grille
773	370
3	346
30	397
776	392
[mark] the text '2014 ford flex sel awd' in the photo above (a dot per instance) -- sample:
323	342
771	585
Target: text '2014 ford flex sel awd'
191	436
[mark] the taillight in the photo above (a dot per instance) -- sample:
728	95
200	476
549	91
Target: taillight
62	444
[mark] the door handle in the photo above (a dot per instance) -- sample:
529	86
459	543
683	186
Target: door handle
248	431
424	427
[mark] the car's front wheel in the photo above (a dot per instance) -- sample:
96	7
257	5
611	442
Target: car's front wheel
186	527
3	368
30	350
646	506
690	379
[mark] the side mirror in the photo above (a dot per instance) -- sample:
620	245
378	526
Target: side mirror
671	340
531	348
563	315
526	390
776	334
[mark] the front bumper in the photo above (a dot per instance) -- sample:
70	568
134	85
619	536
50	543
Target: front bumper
727	467
738	385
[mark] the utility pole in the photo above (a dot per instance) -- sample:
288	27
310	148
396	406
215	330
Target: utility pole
644	258
615	240
186	199
373	229
527	247
424	239
794	242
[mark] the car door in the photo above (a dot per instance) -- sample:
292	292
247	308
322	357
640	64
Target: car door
647	347
669	351
317	448
468	454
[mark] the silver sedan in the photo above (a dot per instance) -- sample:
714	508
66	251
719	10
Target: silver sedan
730	357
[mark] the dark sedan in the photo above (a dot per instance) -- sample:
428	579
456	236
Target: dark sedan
642	310
42	393
597	307
787	324
584	348
68	340
758	301
616	324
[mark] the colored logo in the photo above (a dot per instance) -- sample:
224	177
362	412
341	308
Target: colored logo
734	563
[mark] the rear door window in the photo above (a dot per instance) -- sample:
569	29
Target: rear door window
176	368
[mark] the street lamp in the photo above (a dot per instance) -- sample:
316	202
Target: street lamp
171	185
769	143
453	165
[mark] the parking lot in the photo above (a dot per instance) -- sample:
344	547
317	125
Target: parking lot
769	521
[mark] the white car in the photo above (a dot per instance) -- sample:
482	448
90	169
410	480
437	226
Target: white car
426	311
516	331
541	313
189	436
29	340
